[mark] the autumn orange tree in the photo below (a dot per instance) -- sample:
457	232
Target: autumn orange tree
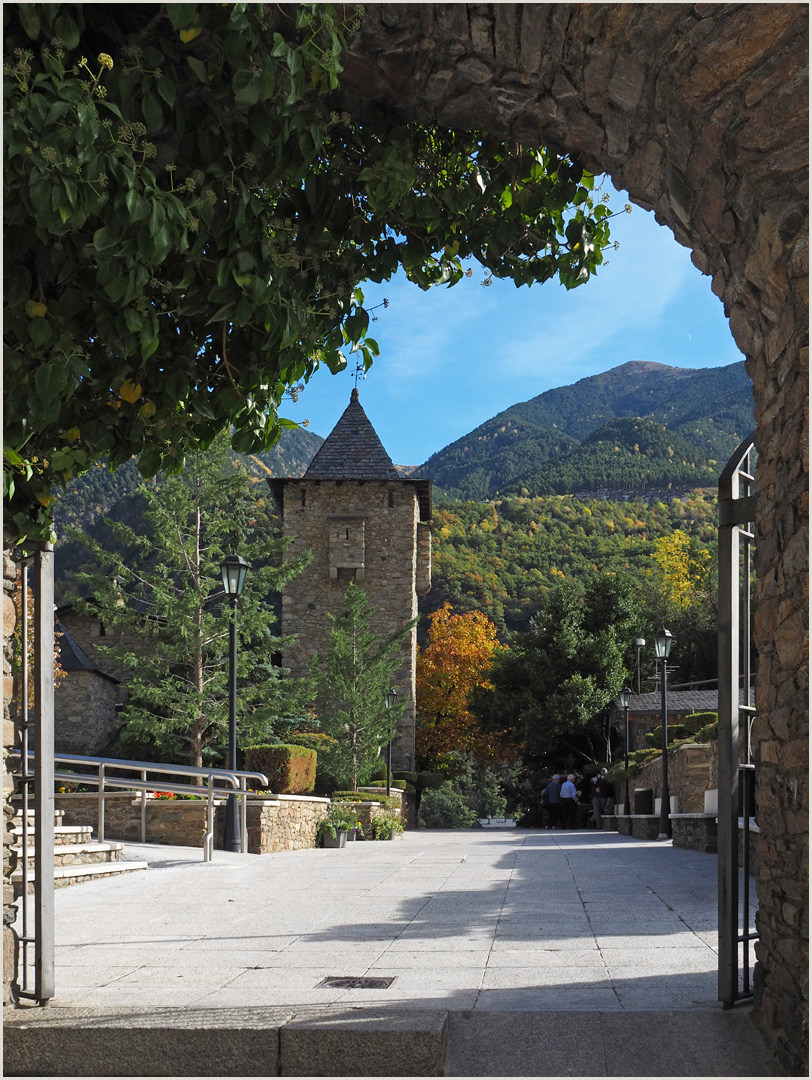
460	651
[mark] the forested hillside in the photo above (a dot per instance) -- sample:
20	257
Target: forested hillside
629	454
503	557
710	408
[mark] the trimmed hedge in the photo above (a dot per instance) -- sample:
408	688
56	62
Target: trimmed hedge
391	802
399	784
291	769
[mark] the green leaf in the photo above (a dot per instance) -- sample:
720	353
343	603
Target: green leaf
167	89
199	68
182	16
104	238
39	331
151	111
50	380
67	29
246	88
30	18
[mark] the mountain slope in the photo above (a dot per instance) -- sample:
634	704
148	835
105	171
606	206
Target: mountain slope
711	408
628	453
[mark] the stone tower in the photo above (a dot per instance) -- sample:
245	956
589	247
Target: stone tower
362	523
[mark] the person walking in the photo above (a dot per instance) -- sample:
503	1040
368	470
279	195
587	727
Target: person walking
601	793
569	802
551	800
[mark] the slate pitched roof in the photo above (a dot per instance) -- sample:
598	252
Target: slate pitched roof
352	450
72	656
679	701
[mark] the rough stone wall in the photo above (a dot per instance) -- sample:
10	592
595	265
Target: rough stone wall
700	111
84	713
287	823
389	574
10	946
688	773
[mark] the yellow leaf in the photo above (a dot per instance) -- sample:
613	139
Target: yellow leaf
147	409
35	310
189	35
71	435
130	391
46	500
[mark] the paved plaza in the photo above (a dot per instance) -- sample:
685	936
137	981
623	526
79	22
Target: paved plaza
593	933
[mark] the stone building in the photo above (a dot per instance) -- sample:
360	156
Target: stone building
362	523
84	702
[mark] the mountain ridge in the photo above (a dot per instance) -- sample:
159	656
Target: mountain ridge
712	408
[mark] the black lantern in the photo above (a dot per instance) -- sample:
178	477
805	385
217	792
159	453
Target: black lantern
663	640
625	696
639	643
390	701
234	569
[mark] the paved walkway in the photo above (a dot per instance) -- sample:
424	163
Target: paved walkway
487	924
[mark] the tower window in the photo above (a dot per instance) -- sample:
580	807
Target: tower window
304	497
390	502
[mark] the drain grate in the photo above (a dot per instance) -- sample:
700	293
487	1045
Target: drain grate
348	982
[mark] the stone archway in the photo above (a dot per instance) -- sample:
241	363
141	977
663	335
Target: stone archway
701	113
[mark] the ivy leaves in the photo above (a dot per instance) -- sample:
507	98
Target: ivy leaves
186	216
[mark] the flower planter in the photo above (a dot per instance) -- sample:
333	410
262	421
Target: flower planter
339	840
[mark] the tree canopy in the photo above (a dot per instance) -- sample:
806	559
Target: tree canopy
556	682
455	662
160	592
188	217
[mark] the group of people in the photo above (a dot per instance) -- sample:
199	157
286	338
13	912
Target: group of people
560	801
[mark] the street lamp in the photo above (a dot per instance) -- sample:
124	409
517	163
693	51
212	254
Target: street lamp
639	643
663	640
390	701
625	701
234	569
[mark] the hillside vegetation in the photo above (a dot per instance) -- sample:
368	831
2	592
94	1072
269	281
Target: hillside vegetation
504	557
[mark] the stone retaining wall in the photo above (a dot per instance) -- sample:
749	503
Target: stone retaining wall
688	777
278	823
284	823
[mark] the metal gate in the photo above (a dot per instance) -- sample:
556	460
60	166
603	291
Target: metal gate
36	785
737	511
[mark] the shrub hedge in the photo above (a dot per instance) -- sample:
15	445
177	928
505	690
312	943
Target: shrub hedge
291	769
391	802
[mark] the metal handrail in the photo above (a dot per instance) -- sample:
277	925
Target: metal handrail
236	779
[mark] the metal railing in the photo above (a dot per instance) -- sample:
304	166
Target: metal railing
236	780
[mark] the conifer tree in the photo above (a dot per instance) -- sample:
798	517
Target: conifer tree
355	674
162	595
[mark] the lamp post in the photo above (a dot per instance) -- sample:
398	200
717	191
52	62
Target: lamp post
663	640
390	701
234	569
625	701
639	643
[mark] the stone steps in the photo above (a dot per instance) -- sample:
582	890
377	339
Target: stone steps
77	856
73	875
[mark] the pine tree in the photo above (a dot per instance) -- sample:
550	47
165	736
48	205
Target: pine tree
162	594
355	675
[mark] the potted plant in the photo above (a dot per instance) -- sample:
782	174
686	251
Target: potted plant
333	829
355	832
387	826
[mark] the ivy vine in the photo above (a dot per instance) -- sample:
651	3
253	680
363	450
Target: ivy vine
188	216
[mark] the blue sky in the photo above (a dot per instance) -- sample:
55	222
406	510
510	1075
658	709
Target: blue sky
453	358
